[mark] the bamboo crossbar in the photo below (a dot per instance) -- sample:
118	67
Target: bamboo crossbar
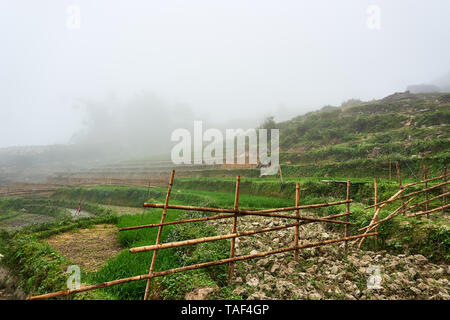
427	189
425	180
427	201
222	210
429	211
223	216
222	237
196	266
407	195
208	239
227	216
284	216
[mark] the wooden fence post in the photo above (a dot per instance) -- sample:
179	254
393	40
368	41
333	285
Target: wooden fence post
399	177
347	217
375	201
297	213
158	237
444	189
390	171
281	174
234	230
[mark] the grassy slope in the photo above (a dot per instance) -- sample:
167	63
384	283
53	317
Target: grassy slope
415	128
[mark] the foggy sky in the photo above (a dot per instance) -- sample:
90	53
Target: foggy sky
231	61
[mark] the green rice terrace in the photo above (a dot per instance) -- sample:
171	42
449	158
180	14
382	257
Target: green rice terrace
414	252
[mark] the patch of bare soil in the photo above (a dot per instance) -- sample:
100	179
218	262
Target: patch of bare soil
88	248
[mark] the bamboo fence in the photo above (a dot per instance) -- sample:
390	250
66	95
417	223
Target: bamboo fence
234	214
400	195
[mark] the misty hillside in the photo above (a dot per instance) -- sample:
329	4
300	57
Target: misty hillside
353	139
398	127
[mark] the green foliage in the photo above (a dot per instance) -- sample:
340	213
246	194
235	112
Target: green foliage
40	269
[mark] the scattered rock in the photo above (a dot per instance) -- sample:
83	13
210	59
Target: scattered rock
324	273
252	281
334	269
420	259
240	291
258	296
315	296
275	268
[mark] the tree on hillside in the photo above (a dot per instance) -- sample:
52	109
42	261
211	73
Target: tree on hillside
269	123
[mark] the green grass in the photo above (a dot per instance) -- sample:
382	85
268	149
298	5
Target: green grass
169	287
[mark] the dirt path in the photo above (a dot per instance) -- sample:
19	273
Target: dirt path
326	272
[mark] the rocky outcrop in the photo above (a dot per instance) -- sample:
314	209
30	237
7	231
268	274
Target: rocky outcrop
327	272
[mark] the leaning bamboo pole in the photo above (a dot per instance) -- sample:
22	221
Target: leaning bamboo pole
222	210
234	229
297	213
370	224
192	267
377	212
158	237
385	203
391	215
